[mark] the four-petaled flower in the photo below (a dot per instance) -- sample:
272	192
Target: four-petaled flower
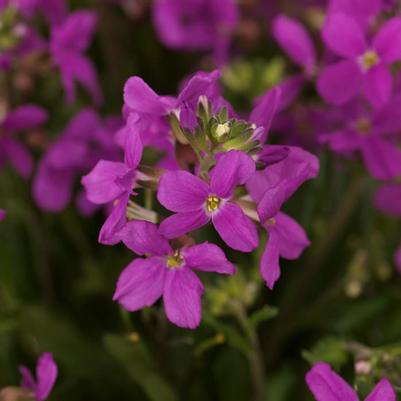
167	273
196	201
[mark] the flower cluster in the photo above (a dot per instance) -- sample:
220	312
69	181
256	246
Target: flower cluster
215	170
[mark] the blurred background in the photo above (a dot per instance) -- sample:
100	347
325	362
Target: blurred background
340	302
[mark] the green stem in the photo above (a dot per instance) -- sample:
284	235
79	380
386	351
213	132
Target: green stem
255	356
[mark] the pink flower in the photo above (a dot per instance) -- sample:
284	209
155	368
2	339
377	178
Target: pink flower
167	273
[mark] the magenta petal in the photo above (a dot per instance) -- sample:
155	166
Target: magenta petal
387	42
19	156
102	184
109	233
293	239
327	385
46	374
343	35
378	84
182	223
182	298
271	202
27	380
180	191
382	158
139	97
233	168
382	392
133	146
295	40
24	118
237	230
2	214
339	82
270	261
143	238
265	109
141	283
208	258
52	188
387	199
397	259
342	141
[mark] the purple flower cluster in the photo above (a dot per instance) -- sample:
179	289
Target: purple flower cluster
215	171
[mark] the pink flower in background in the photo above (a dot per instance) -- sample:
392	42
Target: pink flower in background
327	385
167	273
46	375
68	42
205	25
85	141
364	64
12	151
2	214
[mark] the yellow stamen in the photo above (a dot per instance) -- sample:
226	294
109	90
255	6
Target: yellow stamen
222	129
271	221
363	126
175	260
369	59
212	203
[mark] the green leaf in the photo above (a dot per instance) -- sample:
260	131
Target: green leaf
265	313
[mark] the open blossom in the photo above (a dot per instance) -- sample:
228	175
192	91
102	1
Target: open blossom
205	25
197	202
167	273
85	141
270	189
364	65
68	42
23	118
46	375
327	385
372	133
113	182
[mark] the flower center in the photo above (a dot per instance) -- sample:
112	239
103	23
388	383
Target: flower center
271	221
369	59
175	260
363	126
212	203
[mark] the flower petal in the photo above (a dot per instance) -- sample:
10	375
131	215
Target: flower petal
141	283
18	155
233	168
236	229
326	385
139	97
46	374
387	42
27	380
387	199
270	261
293	239
339	82
377	85
133	147
182	298
180	191
109	233
382	158
295	40
143	237
208	258
102	184
181	223
382	392
343	35
25	118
